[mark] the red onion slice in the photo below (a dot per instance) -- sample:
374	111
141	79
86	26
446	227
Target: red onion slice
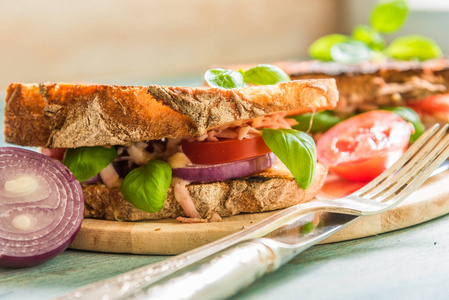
41	207
219	172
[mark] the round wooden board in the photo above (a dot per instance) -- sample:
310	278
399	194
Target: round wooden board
171	237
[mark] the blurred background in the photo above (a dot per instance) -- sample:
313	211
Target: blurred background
141	42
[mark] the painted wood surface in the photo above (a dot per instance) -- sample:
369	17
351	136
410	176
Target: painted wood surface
410	264
172	237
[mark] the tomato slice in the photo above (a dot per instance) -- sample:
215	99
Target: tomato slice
224	150
362	147
433	105
56	153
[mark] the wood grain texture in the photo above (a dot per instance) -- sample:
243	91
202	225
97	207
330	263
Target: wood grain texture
171	237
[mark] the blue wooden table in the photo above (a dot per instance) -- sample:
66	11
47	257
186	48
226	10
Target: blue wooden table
411	263
408	264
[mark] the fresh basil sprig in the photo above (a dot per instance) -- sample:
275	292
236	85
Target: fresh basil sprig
263	74
368	35
222	78
86	162
413	47
411	116
146	186
352	52
321	48
317	122
296	150
386	17
389	16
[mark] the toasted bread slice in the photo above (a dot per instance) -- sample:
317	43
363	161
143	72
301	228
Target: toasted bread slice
74	115
270	190
211	107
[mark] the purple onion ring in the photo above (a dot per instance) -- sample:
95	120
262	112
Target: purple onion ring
225	171
41	207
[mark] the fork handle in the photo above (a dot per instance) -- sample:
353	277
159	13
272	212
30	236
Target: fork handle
220	277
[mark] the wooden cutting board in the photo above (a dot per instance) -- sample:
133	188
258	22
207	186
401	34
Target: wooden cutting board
171	237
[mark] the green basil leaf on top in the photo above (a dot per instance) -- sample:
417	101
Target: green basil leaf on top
264	74
351	52
389	16
317	122
222	78
296	150
321	48
413	47
369	36
86	162
410	116
146	186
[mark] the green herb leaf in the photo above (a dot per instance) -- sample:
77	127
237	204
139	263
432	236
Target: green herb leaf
307	228
389	16
146	187
413	47
222	78
352	52
296	150
410	116
369	36
86	162
321	121
265	74
321	48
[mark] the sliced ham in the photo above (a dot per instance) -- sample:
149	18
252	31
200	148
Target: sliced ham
183	198
247	129
110	177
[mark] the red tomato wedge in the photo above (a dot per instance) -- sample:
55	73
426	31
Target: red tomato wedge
56	153
362	147
224	151
437	104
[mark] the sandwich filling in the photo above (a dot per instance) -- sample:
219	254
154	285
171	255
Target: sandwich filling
226	152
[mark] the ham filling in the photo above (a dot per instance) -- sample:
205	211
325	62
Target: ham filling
247	129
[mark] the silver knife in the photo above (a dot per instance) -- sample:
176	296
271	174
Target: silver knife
197	278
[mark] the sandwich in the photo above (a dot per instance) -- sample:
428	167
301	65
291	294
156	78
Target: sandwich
421	86
147	153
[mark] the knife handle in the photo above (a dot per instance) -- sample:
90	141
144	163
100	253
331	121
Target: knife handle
220	277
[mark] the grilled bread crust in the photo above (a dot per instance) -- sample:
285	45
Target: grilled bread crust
69	115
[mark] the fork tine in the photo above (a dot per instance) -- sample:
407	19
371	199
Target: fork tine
396	166
407	184
419	157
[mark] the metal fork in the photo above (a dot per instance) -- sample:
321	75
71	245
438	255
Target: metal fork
266	255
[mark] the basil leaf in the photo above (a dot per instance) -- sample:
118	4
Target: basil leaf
222	78
296	150
307	228
321	121
410	116
321	48
413	47
265	74
352	52
86	162
146	186
389	16
369	36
